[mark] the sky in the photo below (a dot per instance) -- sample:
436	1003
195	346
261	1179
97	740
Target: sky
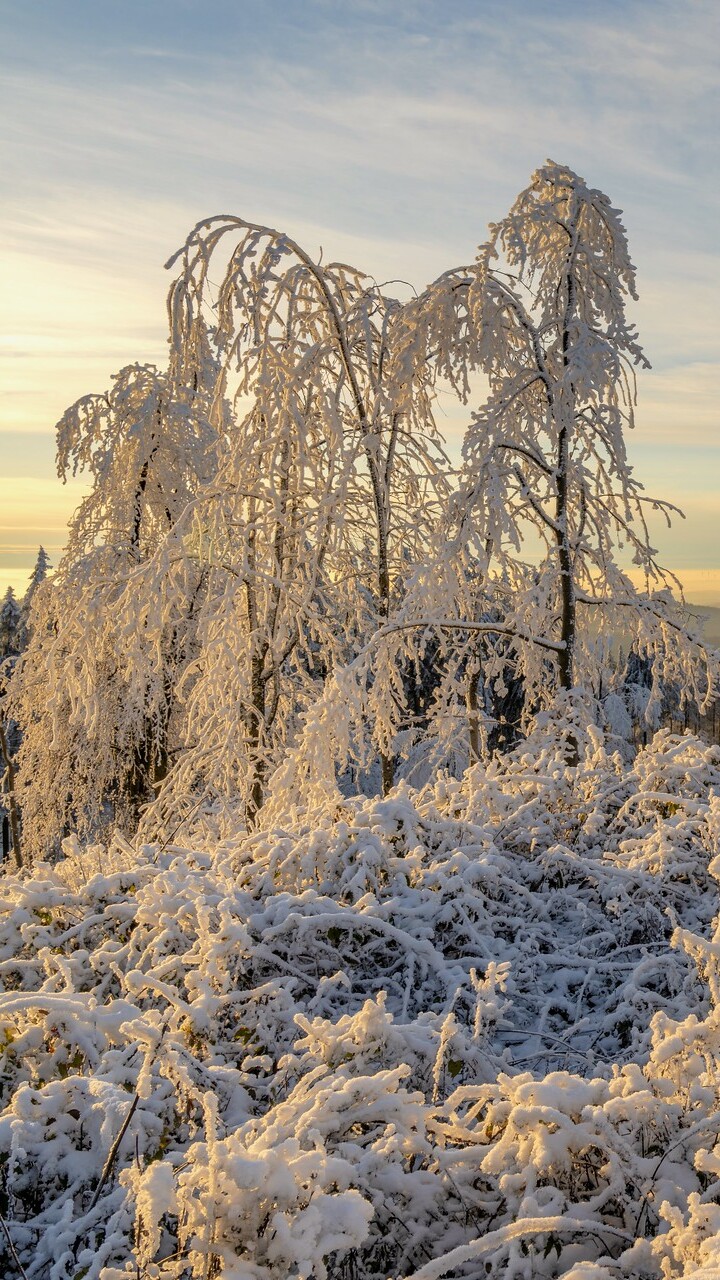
387	133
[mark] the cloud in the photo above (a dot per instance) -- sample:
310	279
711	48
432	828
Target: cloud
680	405
387	134
702	586
34	511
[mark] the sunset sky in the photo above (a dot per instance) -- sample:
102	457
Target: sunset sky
387	132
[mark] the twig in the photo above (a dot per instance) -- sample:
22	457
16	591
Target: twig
112	1155
12	1249
711	1122
107	1168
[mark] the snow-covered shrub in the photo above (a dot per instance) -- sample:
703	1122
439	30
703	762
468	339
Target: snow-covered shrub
468	1030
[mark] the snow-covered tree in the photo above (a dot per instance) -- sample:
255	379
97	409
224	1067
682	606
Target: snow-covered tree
94	694
12	636
525	577
545	458
272	540
328	472
37	577
333	475
10	622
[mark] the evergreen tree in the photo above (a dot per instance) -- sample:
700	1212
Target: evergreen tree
10	623
10	636
37	577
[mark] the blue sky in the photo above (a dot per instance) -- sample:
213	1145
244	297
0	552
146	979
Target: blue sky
387	133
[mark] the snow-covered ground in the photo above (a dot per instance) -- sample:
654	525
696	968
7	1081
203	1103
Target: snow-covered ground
468	1031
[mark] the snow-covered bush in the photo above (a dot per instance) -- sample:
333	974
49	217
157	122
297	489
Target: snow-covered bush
469	1030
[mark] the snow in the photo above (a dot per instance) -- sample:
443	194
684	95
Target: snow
473	1024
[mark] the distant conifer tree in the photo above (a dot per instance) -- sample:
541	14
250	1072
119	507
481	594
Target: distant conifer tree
38	575
10	620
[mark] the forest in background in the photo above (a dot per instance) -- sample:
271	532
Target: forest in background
364	908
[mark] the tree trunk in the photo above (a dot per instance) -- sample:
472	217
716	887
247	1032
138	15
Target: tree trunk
473	714
567	585
383	572
258	766
388	772
256	794
565	411
383	579
12	801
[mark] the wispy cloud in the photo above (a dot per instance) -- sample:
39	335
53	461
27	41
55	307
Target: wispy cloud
681	405
388	134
